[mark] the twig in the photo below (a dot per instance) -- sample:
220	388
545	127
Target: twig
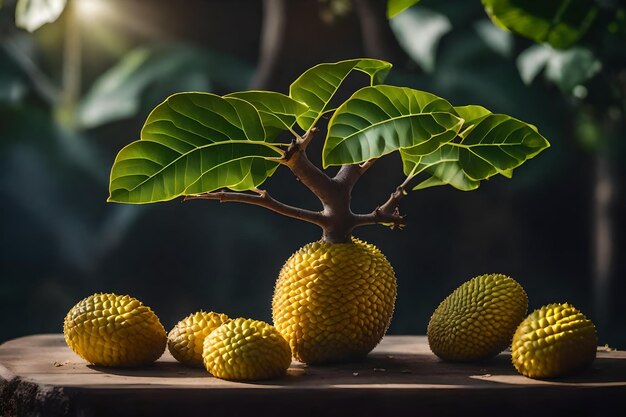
387	213
350	174
311	176
263	199
303	142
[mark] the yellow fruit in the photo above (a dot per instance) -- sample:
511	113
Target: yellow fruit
553	341
246	350
334	301
478	319
186	339
114	330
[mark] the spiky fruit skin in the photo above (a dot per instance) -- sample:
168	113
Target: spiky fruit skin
334	301
246	350
554	340
186	340
114	330
478	319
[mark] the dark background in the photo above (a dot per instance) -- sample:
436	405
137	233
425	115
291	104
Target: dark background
60	241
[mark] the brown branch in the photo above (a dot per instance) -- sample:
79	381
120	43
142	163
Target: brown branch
311	176
348	175
303	142
263	199
388	212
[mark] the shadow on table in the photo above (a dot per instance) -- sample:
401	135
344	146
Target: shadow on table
391	368
160	369
413	370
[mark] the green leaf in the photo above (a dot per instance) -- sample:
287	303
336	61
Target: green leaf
443	166
193	143
317	86
278	112
471	115
381	119
395	7
492	144
419	31
560	23
33	14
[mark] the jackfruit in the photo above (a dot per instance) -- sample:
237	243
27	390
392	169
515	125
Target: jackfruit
114	330
246	350
553	341
478	319
185	341
334	301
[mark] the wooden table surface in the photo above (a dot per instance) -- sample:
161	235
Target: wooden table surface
39	375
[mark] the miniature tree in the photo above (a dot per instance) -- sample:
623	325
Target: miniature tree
334	298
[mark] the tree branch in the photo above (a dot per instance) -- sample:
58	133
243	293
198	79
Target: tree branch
387	213
303	142
311	176
263	199
348	175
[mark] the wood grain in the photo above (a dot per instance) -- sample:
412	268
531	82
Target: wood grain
40	375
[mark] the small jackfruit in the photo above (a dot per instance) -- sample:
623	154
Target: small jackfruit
185	341
114	330
334	301
246	350
553	341
478	319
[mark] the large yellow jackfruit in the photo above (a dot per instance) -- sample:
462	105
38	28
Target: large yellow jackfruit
114	330
334	301
246	350
553	341
185	341
478	319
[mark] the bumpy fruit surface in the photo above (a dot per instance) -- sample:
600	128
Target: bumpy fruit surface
246	350
553	341
114	330
478	319
185	341
334	301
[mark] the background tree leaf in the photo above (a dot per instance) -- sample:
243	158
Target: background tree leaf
532	61
317	86
381	119
495	144
395	7
560	23
565	68
33	14
418	31
140	79
193	143
570	68
278	112
498	40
